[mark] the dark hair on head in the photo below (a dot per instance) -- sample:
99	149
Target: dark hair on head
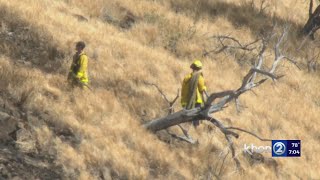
81	44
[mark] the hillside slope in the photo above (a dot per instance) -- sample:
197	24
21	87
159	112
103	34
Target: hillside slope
52	131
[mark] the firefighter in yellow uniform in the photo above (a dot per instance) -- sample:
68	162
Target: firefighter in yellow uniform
193	88
78	75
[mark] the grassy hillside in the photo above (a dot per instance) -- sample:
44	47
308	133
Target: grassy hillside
91	135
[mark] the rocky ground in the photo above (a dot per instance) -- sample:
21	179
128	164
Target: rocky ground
19	156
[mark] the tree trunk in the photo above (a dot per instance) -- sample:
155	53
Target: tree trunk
313	23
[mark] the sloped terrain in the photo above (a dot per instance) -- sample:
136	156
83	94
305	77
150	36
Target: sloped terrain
50	131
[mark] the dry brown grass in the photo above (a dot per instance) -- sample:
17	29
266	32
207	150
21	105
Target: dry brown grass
158	48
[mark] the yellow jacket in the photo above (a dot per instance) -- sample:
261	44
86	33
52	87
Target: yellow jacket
79	67
185	91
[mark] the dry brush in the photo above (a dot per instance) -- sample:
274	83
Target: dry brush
218	101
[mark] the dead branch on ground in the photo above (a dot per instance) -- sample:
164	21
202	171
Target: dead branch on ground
218	101
186	136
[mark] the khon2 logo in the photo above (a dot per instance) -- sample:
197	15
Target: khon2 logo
286	148
279	148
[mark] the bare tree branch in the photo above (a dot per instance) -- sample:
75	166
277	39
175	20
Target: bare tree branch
236	45
278	54
184	131
236	160
236	100
312	61
226	96
160	91
313	23
187	139
310	8
222	128
251	133
293	62
221	167
214	105
228	135
260	59
214	96
170	103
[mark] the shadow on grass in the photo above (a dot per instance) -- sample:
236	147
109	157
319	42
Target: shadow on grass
27	44
259	22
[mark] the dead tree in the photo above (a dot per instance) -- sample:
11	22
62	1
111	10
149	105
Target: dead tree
313	23
218	101
186	137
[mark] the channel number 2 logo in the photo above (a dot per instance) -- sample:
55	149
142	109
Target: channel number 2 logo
279	148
